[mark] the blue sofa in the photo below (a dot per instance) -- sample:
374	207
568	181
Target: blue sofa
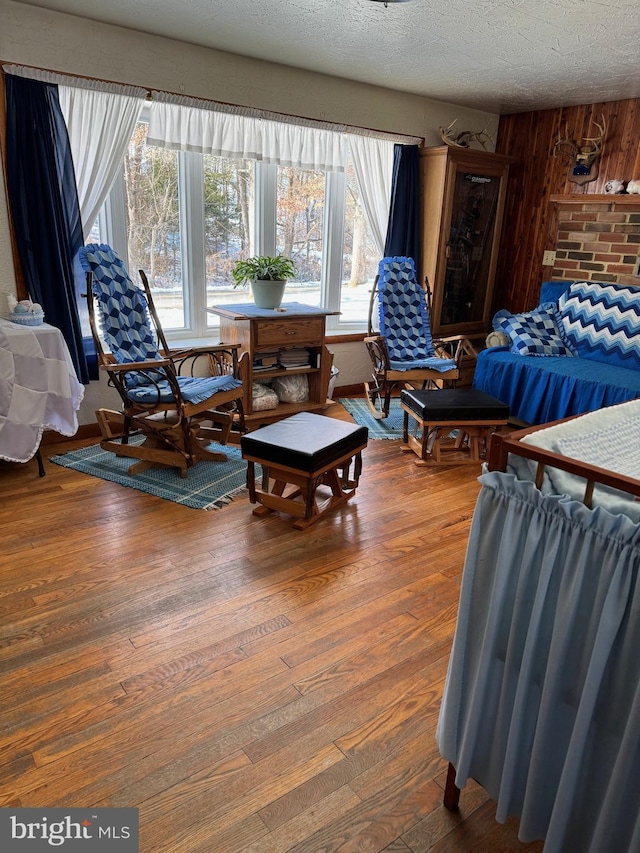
600	325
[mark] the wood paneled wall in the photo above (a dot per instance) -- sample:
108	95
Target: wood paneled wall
530	219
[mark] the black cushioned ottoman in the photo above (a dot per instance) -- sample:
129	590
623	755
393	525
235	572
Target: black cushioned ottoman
299	454
472	415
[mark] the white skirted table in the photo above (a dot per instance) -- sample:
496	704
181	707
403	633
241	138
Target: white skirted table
39	389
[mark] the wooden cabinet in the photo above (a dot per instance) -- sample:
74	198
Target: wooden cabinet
462	201
260	331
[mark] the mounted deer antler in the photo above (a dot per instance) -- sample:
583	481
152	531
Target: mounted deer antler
464	138
582	157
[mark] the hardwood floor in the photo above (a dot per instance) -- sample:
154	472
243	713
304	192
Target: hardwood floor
247	686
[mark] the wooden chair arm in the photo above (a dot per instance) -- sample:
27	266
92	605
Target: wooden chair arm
130	366
461	339
463	346
202	350
223	359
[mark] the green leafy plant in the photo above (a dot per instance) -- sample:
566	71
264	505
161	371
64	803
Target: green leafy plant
262	269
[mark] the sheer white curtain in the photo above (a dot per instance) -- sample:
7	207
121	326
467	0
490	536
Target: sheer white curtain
189	124
373	165
100	122
100	119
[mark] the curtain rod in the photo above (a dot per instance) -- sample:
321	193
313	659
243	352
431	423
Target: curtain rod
64	78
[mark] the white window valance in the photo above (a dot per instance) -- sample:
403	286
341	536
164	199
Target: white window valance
306	147
188	124
184	125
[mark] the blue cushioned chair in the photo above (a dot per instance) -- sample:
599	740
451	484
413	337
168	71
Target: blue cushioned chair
402	351
175	413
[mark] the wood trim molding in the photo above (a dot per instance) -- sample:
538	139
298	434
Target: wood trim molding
348	391
596	198
85	431
344	339
21	287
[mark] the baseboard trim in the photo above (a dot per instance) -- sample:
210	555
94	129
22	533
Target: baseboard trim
349	391
84	431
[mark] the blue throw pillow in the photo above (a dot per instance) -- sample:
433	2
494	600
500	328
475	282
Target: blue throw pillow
533	332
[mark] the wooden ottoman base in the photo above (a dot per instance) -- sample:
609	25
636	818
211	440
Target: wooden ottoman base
472	415
299	456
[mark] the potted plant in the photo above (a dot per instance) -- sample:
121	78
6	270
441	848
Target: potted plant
267	277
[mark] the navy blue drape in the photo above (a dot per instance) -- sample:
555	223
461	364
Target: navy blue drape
44	205
403	231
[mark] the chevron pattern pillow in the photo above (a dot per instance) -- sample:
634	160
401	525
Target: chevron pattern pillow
533	332
602	322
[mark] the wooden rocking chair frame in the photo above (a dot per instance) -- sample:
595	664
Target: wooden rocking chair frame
385	380
174	434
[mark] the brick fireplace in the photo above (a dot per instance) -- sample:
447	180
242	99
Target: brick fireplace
598	238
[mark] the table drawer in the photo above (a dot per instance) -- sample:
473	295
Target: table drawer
308	331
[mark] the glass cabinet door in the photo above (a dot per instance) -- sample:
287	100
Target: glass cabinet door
469	248
462	200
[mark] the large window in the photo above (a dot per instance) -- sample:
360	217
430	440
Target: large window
184	218
359	256
300	215
153	223
228	223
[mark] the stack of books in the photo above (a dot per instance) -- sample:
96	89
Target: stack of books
265	360
289	359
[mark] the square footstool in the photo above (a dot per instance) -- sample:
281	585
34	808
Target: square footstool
299	454
473	415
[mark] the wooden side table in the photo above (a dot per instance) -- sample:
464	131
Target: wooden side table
262	330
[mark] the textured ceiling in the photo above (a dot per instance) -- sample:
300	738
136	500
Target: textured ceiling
502	56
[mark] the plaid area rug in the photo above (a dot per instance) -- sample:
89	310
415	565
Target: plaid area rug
391	427
208	485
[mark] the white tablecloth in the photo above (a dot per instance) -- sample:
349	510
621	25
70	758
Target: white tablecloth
39	388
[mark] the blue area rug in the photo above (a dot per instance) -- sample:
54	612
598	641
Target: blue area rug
391	427
208	485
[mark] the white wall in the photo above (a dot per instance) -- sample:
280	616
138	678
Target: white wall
64	43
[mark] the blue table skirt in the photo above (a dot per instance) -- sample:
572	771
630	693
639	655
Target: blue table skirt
543	389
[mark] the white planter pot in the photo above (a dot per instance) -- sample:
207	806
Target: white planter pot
267	294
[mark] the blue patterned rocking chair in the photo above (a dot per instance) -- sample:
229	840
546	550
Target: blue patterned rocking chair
403	352
175	413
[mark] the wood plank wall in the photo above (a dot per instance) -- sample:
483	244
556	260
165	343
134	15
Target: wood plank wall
530	219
